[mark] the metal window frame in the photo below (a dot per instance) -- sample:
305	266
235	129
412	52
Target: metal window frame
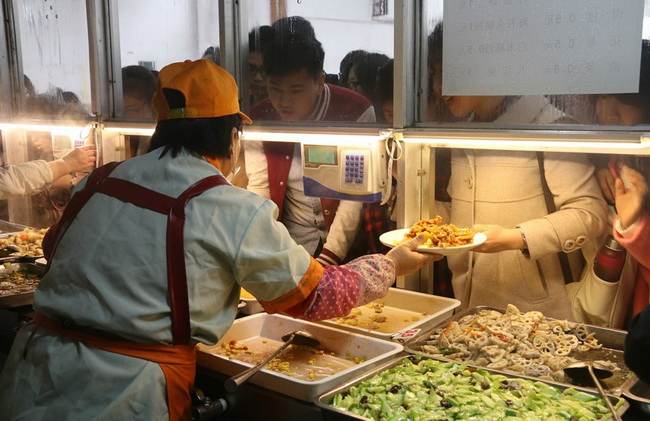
104	53
5	81
12	86
232	35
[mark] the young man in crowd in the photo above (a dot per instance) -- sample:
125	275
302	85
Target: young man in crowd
293	64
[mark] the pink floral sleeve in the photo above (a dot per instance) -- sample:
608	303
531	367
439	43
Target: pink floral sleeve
344	287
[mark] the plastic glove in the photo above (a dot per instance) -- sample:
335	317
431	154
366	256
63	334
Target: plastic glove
407	260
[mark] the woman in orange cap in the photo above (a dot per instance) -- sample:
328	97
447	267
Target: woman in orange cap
148	261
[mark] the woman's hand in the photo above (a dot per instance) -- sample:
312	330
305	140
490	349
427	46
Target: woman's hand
407	260
498	238
630	196
79	159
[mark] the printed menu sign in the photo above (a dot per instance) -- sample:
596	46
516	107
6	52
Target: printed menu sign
537	47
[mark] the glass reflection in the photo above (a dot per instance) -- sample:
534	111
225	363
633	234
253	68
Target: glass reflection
483	108
172	31
302	88
48	205
258	39
53	36
340	37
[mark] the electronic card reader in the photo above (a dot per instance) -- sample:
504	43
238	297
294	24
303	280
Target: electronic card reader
354	172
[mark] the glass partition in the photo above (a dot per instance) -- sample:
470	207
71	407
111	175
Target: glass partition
54	53
154	33
319	61
534	63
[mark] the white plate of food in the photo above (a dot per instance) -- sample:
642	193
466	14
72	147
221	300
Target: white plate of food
396	237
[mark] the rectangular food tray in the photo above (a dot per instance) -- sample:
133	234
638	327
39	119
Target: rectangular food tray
330	413
638	392
273	326
613	341
251	306
9	228
432	308
21	299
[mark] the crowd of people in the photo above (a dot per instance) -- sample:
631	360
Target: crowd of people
312	258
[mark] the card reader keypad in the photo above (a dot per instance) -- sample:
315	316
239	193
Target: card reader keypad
354	168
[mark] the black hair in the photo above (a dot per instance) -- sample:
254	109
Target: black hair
29	86
332	78
346	65
294	25
259	38
385	82
366	67
199	136
55	103
139	82
434	45
213	54
293	53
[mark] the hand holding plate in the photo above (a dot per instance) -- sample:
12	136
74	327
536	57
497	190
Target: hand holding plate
498	238
407	259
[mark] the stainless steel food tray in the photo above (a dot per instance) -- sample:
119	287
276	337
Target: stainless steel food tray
432	308
273	326
7	227
17	299
638	392
613	341
330	413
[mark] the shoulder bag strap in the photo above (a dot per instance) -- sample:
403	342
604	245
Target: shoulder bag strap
550	207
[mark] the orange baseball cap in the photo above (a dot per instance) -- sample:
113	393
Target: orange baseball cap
209	91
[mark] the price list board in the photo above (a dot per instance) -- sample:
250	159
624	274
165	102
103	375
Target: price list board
541	47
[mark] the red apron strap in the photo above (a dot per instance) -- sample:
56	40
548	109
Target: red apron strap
174	208
176	273
142	197
79	200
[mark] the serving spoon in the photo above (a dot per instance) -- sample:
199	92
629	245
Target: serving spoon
296	337
586	372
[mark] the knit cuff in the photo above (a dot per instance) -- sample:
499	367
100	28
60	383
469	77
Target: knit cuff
327	258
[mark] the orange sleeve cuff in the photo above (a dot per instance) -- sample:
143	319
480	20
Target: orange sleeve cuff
307	284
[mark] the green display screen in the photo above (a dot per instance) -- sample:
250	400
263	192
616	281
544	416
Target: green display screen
321	155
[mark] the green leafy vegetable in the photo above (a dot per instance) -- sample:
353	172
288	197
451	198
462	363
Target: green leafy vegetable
430	390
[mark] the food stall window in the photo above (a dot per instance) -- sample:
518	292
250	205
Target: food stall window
154	33
589	61
283	78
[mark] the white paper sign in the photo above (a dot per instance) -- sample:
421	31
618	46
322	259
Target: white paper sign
537	47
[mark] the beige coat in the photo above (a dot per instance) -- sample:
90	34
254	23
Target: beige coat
504	188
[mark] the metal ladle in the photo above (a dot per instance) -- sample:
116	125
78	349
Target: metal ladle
9	250
297	337
585	372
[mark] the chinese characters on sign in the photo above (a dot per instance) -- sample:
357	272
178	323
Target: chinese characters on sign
541	47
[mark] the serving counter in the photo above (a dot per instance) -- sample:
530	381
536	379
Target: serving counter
254	403
271	401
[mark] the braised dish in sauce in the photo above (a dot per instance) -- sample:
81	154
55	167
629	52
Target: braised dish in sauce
440	235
